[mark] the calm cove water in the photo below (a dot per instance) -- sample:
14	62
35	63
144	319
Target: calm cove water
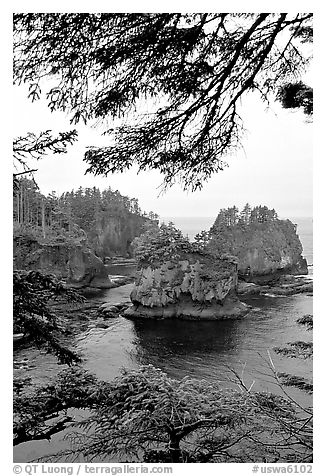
199	349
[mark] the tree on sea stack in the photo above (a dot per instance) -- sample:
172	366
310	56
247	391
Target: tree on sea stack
181	279
266	247
184	74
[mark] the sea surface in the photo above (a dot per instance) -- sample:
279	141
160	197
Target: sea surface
205	350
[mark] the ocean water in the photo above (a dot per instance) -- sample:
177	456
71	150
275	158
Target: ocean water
190	226
204	350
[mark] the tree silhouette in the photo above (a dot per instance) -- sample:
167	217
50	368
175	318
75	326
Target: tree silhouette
184	74
295	95
34	147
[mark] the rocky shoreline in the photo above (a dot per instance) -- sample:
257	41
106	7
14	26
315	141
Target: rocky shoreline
230	309
288	285
110	282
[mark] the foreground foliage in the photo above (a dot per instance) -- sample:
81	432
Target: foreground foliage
33	317
295	349
146	416
297	94
306	320
40	412
295	381
300	349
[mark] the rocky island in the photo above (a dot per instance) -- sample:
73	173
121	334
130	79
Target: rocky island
266	247
268	250
179	279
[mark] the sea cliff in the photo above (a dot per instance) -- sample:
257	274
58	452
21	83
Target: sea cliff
113	234
73	262
266	248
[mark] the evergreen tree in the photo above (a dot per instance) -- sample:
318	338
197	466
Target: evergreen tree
245	214
231	216
33	316
296	95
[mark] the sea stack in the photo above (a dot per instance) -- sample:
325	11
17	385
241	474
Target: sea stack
179	279
266	247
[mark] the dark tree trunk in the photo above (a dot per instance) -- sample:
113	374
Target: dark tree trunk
174	448
43	219
17	201
21	214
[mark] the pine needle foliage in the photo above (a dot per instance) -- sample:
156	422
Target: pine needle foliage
32	293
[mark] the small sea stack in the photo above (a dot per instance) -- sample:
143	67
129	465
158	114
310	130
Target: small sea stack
266	246
179	279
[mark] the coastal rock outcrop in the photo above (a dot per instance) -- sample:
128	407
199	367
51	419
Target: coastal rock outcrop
193	287
114	234
288	285
75	263
266	248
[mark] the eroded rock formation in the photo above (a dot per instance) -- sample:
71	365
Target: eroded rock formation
193	287
75	263
265	250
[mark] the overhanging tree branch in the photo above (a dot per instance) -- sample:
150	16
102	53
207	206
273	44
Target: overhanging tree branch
196	67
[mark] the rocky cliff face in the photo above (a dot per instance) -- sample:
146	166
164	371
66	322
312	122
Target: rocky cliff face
194	287
76	263
115	234
265	251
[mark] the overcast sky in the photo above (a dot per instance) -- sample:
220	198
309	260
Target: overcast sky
274	168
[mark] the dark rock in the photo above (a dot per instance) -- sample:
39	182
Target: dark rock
103	282
101	325
109	311
108	308
110	315
288	286
245	288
